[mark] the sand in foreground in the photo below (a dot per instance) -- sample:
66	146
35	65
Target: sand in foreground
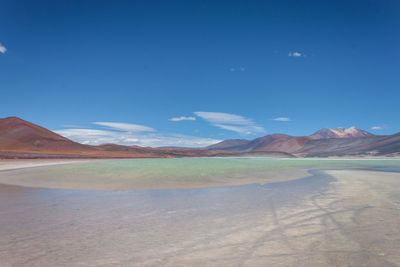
333	218
12	164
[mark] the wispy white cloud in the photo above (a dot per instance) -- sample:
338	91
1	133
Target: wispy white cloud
3	49
122	126
223	118
182	118
242	129
282	119
378	127
98	137
132	134
92	136
296	54
231	122
234	69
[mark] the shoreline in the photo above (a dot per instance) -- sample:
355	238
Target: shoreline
28	174
16	164
287	176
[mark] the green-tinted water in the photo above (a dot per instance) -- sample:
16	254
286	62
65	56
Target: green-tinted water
179	172
200	168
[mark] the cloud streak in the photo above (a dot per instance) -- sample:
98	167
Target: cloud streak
234	69
132	134
231	122
182	118
3	49
282	119
377	128
296	54
122	126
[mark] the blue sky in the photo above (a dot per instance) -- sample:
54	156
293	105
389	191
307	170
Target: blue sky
194	72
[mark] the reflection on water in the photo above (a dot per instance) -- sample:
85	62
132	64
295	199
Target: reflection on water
44	227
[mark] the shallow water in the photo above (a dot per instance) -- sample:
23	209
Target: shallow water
176	173
317	220
202	168
51	227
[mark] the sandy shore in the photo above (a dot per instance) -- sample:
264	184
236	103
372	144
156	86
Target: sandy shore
12	164
333	218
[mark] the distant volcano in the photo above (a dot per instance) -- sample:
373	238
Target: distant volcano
351	132
323	143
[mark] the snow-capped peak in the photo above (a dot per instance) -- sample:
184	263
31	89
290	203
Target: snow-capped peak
351	132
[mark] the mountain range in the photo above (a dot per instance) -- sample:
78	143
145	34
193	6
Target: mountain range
323	143
22	139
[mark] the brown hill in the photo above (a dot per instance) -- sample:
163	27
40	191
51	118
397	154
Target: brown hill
22	139
269	143
278	143
19	135
226	144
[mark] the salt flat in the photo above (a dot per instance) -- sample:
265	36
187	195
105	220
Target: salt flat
334	215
